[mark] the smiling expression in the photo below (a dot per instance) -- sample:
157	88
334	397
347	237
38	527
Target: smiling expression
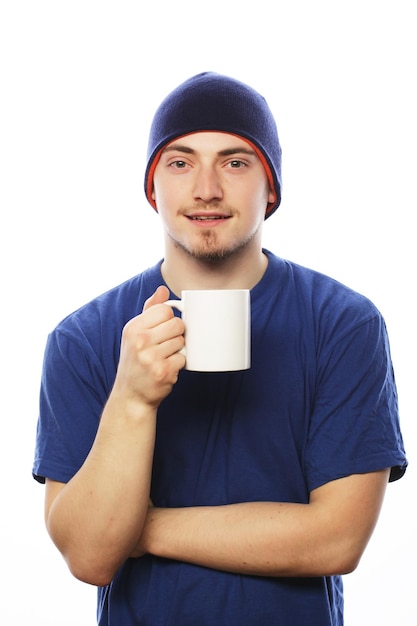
211	191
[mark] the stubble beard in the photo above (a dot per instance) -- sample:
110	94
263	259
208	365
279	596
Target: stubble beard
208	249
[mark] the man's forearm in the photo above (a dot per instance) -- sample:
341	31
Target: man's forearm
265	539
325	537
96	517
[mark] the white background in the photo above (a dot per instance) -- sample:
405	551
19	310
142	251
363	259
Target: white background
79	84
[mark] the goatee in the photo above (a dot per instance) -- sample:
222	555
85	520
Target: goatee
209	251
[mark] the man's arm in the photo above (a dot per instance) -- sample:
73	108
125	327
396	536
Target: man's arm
96	519
322	538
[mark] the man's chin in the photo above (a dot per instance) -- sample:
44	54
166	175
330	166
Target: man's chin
210	250
212	256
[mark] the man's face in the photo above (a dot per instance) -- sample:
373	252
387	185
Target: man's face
211	192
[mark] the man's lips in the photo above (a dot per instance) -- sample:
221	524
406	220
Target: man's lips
207	217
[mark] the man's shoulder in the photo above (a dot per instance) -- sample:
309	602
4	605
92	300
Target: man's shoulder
305	289
116	305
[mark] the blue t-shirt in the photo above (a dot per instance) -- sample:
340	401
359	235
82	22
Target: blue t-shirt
318	403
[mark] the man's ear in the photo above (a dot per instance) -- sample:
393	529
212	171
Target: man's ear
153	196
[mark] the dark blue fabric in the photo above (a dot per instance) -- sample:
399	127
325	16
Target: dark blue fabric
318	403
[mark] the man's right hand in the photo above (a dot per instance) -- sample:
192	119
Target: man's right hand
150	357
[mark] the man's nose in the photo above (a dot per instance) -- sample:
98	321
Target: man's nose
207	186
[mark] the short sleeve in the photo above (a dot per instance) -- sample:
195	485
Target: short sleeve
74	389
355	422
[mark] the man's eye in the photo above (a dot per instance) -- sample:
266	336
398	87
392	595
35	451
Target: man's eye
178	164
236	164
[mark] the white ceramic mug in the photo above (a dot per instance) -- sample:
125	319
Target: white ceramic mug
217	329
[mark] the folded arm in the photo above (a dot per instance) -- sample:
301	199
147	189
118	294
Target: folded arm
96	518
325	537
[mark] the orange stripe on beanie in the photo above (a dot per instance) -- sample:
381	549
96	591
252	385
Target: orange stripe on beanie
213	102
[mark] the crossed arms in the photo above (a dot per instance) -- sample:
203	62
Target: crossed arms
103	516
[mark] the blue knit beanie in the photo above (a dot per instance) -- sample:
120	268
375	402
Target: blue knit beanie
212	102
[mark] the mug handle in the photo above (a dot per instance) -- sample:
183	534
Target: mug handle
177	304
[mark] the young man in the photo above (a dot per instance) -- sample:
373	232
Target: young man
234	498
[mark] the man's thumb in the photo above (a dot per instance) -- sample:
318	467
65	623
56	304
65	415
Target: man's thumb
160	296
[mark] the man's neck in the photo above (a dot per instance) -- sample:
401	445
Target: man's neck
240	271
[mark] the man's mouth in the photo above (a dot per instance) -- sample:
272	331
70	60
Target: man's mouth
206	218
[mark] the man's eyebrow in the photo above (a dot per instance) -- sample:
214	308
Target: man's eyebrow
177	147
238	150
